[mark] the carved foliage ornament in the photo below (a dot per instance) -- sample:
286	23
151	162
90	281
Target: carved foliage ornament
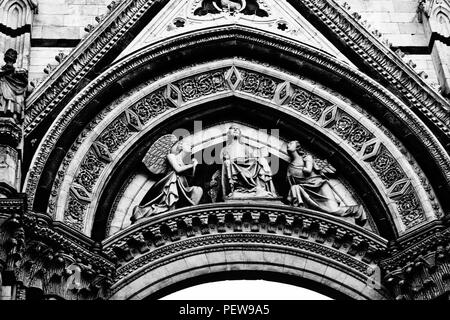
388	100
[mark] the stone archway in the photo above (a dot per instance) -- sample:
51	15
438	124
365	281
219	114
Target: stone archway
76	172
192	243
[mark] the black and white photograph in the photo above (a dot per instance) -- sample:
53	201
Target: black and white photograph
236	152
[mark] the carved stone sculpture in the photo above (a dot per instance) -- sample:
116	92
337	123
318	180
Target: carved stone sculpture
247	7
246	173
167	156
310	188
13	84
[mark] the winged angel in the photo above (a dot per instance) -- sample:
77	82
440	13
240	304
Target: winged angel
166	157
310	187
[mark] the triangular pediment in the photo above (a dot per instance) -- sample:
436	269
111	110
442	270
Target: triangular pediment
278	17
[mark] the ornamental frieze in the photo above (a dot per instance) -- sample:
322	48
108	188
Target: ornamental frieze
152	105
308	104
201	86
323	112
351	130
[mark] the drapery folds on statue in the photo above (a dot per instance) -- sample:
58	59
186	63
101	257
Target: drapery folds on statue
310	188
246	172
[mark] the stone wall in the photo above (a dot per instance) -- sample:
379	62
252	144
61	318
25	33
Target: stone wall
58	27
398	21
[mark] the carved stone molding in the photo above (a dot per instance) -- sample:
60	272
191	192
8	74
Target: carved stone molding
383	61
419	268
185	229
33	254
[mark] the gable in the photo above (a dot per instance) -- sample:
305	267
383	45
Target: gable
273	16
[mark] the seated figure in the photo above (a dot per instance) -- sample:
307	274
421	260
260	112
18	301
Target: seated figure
167	156
245	173
311	189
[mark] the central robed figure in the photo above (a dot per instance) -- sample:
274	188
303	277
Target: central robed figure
246	173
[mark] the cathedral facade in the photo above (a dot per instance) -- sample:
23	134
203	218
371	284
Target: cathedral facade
150	145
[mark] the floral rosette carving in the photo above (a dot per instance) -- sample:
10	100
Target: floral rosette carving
150	106
250	82
316	107
382	162
267	88
189	89
344	126
391	176
300	101
358	137
90	171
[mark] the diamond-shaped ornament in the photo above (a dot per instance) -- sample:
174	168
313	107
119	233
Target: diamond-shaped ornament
80	192
133	120
283	92
174	96
399	188
328	116
370	149
234	78
102	151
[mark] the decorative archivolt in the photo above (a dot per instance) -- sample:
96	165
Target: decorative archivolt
86	169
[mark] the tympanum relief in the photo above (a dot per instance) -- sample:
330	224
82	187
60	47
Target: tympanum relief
167	157
243	173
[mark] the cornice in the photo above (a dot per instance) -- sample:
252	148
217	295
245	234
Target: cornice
283	226
71	242
421	242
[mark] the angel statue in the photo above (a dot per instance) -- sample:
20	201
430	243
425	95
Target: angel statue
246	172
310	187
166	157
